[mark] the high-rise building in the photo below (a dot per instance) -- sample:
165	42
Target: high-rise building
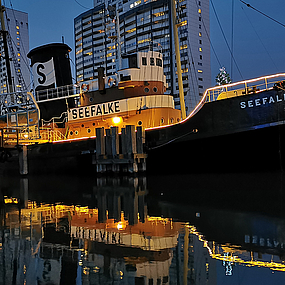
16	23
147	25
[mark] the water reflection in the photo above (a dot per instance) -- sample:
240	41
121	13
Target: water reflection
110	230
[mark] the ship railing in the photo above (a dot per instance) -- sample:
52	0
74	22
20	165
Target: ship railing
9	137
50	135
243	87
67	91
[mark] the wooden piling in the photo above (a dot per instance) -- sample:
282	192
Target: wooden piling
23	160
124	152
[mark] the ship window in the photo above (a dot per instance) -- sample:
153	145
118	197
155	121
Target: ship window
151	61
139	123
158	62
146	90
133	61
154	89
144	61
88	131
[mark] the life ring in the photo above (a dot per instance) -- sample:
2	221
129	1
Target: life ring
111	81
84	87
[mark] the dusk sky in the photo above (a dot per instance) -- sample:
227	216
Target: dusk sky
258	41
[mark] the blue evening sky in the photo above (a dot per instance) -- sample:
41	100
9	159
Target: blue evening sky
258	41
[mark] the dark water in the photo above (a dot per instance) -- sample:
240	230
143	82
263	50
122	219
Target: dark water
187	229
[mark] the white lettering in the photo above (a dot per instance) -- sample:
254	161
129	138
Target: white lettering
250	103
242	105
271	100
278	99
257	102
264	100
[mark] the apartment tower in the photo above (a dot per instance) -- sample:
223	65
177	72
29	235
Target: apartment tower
16	23
147	25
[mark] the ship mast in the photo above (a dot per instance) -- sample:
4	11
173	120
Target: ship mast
7	60
175	25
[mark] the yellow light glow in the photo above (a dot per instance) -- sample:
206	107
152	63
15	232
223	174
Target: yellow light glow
117	120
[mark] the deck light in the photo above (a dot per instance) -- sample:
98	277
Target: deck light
117	120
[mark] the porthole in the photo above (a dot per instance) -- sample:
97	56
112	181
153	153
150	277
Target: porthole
71	133
90	99
154	89
76	132
146	90
171	120
162	120
93	124
88	131
140	123
82	126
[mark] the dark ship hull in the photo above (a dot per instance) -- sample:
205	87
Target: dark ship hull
236	134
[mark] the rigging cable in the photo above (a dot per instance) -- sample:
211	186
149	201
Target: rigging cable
249	6
209	39
260	39
81	5
225	38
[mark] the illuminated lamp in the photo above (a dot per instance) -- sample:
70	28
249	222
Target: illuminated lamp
117	120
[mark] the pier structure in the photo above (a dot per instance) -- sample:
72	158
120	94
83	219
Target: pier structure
109	151
124	152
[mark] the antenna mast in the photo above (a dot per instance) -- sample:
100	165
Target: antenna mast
178	60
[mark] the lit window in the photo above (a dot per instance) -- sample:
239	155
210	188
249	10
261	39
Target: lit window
200	34
184	46
17	27
200	49
199	11
200	71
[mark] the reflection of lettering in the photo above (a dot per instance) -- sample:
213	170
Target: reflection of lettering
99	235
264	242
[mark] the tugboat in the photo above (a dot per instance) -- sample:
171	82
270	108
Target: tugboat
133	96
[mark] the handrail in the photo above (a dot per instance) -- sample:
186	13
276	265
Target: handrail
242	87
61	92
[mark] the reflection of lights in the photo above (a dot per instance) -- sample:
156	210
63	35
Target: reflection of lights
10	200
234	258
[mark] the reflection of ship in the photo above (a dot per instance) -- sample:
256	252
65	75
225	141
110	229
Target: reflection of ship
114	243
88	241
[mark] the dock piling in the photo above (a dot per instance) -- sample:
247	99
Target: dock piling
122	152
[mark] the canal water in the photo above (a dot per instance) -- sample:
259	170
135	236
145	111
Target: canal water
175	229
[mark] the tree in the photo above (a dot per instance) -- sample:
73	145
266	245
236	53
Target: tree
223	77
